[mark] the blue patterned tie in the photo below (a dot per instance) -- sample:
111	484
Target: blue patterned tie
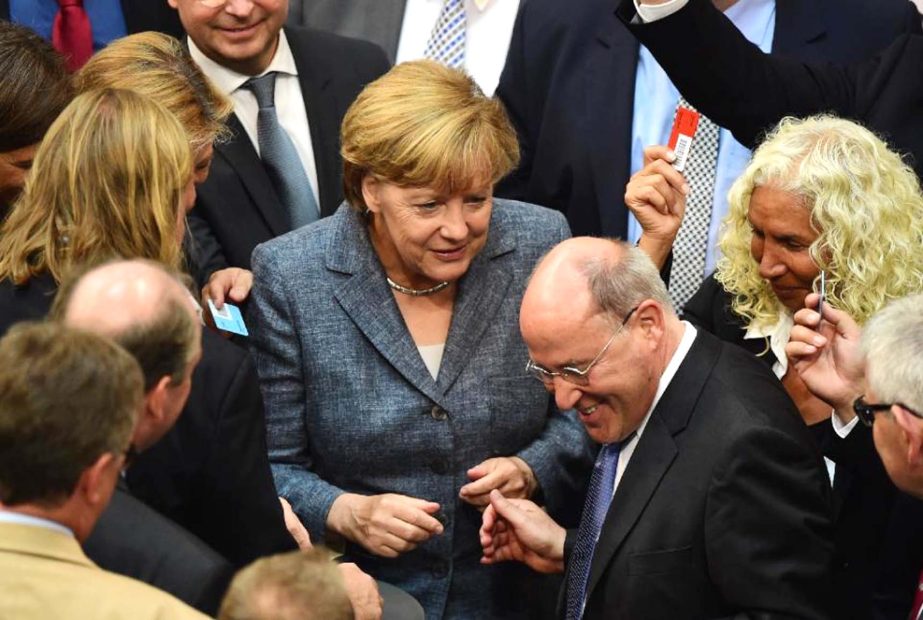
279	155
598	497
447	41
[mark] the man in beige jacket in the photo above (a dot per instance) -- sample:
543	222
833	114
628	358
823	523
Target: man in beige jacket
68	402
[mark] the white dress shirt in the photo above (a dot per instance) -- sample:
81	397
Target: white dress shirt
679	355
490	26
290	102
8	516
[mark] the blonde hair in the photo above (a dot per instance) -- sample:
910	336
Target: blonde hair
159	67
424	124
107	181
864	203
298	585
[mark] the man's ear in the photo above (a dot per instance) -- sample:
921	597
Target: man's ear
912	431
650	317
371	188
97	481
156	400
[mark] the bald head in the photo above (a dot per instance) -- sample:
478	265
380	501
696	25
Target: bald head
585	276
143	307
562	275
121	295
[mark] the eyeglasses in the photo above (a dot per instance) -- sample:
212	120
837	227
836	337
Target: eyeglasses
866	411
569	373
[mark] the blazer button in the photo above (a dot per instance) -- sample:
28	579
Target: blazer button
439	467
439	570
438	413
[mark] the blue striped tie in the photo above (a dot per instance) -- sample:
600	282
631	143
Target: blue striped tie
598	497
279	155
447	42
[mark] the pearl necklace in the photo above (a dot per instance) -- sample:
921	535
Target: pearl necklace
416	292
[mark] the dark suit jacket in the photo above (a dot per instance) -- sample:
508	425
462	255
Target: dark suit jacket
237	207
210	473
378	21
724	507
745	91
878	558
132	539
140	16
569	86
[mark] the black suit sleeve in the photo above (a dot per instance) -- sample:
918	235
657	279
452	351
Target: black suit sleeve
236	505
513	90
739	87
133	540
768	503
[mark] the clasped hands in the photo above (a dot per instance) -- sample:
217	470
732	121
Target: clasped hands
391	524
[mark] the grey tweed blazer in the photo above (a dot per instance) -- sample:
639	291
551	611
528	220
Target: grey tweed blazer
350	405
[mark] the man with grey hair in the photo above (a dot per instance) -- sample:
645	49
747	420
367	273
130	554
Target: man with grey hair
708	498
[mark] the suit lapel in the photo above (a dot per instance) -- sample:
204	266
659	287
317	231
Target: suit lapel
798	24
320	105
241	156
367	299
481	293
610	86
654	453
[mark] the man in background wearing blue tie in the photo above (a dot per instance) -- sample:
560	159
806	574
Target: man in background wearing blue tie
708	498
281	169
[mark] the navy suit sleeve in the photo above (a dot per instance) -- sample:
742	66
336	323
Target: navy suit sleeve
241	513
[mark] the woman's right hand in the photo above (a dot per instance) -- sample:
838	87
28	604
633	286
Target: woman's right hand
656	195
386	525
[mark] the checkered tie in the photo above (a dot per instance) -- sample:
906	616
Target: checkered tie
277	151
595	508
447	42
691	242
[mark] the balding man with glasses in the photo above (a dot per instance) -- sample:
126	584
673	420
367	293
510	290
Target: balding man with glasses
708	498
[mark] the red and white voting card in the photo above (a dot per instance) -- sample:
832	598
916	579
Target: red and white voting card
684	125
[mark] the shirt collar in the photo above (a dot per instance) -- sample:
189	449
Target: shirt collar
685	343
778	335
9	516
228	80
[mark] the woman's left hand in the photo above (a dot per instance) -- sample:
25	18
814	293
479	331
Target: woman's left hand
508	474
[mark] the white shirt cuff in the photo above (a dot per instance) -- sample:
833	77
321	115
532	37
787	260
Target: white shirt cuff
653	12
843	430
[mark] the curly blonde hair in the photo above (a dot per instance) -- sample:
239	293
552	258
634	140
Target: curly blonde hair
865	204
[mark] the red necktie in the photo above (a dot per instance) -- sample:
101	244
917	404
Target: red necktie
71	33
917	601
